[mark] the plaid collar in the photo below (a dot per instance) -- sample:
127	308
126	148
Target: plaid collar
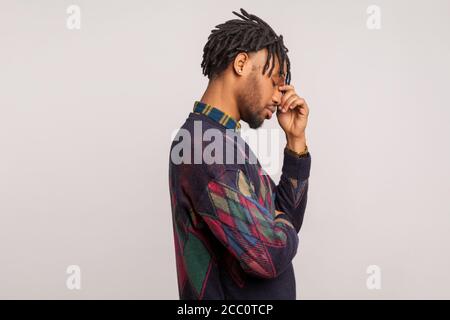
216	115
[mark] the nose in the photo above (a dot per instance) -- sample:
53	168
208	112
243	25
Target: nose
276	97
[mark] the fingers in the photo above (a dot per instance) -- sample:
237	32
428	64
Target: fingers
288	96
286	100
303	107
296	102
290	100
286	87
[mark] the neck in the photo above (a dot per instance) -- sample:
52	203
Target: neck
219	95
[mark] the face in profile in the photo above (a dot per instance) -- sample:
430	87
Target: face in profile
258	95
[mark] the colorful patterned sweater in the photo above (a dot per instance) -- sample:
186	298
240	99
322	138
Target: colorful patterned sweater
235	230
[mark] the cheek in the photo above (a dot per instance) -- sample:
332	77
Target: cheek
262	93
265	92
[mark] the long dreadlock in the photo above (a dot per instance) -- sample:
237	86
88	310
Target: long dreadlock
248	35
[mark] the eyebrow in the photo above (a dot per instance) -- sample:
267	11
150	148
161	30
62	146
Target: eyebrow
277	78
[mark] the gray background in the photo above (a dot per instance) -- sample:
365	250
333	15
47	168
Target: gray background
86	118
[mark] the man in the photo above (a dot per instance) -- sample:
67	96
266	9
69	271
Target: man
235	230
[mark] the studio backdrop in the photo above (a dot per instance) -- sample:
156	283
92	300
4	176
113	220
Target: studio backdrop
92	93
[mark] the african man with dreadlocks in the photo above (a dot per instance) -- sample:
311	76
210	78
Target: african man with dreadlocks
235	229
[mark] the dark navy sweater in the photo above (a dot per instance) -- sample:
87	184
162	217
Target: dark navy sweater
235	230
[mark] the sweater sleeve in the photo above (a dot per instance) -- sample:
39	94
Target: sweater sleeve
291	193
263	241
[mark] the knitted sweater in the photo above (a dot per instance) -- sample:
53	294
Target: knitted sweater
235	230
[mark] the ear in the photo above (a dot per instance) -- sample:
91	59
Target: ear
241	63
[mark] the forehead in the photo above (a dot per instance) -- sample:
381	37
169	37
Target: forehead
260	58
277	65
276	70
276	74
278	78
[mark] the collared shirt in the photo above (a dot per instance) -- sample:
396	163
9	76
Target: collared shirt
217	115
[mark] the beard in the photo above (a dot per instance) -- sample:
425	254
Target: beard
248	103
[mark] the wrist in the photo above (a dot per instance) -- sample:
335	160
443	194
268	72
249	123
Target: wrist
296	144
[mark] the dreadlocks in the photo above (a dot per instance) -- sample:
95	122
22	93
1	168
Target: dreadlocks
248	35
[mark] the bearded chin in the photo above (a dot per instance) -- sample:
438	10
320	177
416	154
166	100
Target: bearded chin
253	118
248	106
256	121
